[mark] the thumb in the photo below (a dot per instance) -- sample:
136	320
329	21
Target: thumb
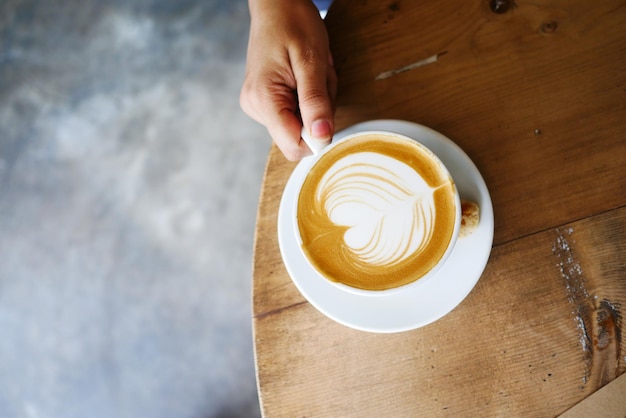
314	100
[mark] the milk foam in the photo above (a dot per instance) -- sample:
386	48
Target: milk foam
386	206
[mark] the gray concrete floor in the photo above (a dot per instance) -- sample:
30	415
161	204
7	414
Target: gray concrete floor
129	181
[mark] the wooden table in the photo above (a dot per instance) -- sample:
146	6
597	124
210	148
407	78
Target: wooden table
534	91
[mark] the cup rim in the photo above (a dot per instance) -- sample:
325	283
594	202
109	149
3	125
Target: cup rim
408	286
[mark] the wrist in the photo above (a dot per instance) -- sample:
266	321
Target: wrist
260	8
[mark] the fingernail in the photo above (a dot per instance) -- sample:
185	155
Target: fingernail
320	129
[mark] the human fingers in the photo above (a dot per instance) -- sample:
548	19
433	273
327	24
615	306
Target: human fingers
274	105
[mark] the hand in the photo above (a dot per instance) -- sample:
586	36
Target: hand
290	80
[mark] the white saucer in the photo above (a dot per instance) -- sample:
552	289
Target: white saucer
419	306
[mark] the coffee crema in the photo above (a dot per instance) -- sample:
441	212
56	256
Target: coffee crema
376	212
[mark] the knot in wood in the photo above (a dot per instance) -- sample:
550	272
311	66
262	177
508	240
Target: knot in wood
549	26
500	6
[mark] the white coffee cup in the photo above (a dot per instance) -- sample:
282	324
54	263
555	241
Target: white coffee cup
378	213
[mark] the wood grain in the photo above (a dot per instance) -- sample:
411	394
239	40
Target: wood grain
608	402
519	344
540	112
537	97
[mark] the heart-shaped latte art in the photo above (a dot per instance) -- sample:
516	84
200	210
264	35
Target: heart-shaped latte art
385	205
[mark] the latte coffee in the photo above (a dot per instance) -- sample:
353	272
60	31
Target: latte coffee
377	211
